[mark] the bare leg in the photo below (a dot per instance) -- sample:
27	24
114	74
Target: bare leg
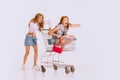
26	54
35	54
35	66
66	42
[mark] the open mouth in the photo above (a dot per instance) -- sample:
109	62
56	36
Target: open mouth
66	23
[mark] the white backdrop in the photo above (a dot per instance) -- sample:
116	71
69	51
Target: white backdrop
98	39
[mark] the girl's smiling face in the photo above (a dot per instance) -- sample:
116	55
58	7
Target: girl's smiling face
40	19
65	21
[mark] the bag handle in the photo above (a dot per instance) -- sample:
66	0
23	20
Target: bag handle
60	41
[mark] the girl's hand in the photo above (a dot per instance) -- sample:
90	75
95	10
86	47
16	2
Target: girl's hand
65	36
58	36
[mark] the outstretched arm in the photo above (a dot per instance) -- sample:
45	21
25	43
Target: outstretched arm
74	25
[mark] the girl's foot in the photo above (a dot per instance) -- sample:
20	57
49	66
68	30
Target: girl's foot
36	67
24	67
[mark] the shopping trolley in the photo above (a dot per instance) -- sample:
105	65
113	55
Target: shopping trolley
48	58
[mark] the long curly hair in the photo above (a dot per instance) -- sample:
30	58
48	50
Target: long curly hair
62	20
41	25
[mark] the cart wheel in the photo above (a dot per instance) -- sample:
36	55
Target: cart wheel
72	69
43	69
67	70
55	67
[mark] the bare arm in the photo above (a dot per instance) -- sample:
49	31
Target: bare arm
74	25
52	32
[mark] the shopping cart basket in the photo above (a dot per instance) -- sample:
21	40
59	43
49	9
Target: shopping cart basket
48	58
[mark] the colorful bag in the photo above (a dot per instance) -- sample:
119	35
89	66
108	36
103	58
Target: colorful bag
56	48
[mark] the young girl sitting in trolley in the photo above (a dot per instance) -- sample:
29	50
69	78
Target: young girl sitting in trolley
60	31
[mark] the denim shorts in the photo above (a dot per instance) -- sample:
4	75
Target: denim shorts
30	41
70	39
52	40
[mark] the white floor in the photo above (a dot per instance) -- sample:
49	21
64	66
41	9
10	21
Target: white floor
82	72
87	67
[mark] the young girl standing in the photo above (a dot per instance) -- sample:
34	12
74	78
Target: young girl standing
37	23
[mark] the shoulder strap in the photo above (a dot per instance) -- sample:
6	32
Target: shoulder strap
60	27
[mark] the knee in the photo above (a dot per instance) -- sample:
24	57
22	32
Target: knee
36	54
36	51
27	53
72	36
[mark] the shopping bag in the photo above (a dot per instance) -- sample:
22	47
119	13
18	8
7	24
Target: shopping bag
56	48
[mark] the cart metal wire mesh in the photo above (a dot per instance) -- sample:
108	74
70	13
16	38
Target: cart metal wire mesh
48	58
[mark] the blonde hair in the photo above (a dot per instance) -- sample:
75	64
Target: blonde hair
41	25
